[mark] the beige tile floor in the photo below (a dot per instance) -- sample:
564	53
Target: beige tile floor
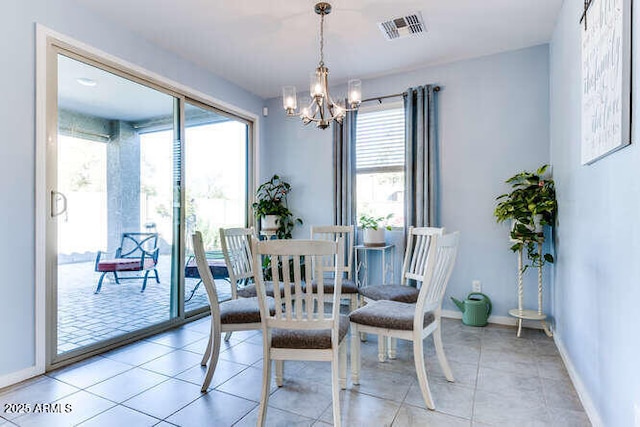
501	380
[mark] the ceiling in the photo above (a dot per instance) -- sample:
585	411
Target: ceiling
262	45
112	97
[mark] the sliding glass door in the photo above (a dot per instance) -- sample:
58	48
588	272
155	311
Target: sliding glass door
128	183
216	153
113	206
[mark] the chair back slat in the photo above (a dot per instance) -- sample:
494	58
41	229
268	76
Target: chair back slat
299	295
205	273
275	280
296	307
286	275
417	253
318	274
331	233
422	251
308	277
444	249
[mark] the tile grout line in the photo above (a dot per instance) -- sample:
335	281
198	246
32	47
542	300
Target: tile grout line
397	414
475	386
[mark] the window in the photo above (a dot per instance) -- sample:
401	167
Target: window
380	163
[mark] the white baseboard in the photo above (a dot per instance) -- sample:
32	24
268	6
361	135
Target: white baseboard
583	394
16	377
498	320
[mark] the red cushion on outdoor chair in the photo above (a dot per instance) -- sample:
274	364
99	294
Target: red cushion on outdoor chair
124	264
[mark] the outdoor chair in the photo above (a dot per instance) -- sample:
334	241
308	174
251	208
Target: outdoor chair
137	252
413	322
233	315
217	266
304	326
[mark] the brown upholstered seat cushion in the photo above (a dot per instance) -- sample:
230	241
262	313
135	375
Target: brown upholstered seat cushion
400	293
243	310
348	286
388	314
250	290
308	339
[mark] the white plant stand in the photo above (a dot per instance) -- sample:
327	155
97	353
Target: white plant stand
387	258
522	314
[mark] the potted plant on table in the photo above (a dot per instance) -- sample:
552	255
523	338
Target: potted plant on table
530	206
271	207
373	229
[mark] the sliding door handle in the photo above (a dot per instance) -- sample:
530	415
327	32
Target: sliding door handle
55	197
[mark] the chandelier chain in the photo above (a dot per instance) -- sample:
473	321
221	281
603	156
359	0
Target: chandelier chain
322	39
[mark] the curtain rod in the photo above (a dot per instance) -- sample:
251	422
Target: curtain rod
395	95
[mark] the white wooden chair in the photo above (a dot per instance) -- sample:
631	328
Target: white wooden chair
234	315
331	233
416	255
413	322
304	326
236	248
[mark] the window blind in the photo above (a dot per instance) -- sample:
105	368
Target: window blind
380	140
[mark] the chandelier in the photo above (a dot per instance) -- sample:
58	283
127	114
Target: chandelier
322	109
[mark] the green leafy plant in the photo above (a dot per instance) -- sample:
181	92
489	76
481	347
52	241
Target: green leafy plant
271	199
368	221
531	204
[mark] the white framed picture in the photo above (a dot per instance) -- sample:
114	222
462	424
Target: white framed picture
606	79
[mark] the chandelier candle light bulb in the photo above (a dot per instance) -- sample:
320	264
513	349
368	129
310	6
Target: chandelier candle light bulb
355	92
289	99
315	85
322	109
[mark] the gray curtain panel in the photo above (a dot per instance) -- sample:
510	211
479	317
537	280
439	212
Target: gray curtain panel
344	170
421	157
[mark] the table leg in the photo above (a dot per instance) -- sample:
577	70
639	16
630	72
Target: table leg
384	267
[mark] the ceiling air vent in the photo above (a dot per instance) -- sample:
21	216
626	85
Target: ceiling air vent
404	26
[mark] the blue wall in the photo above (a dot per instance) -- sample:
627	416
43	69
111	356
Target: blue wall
17	145
597	278
493	122
304	157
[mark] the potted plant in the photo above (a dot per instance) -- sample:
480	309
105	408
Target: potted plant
530	206
373	229
271	207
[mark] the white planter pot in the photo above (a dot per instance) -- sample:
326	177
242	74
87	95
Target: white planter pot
538	228
269	222
371	237
537	222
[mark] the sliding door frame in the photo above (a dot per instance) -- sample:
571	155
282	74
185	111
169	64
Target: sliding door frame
48	45
249	180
